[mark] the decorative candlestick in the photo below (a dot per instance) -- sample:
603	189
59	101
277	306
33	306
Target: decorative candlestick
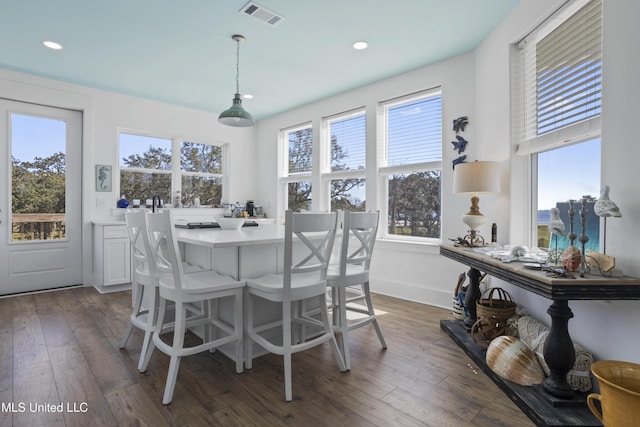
572	236
583	239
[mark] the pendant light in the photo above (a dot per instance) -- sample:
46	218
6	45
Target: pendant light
236	115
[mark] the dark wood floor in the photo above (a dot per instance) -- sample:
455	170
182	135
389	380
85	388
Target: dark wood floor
62	348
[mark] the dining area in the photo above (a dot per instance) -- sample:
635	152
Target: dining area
249	291
64	347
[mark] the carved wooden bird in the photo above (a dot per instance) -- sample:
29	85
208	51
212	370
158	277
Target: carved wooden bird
556	226
604	207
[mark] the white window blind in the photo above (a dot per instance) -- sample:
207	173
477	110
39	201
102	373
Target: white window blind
561	66
348	143
300	155
414	131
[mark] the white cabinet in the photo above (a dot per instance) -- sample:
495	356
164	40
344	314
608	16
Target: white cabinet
111	256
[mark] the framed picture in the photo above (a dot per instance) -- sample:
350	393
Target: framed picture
103	178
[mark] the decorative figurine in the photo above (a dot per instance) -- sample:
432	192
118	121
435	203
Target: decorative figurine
460	123
460	159
605	208
571	256
460	144
556	228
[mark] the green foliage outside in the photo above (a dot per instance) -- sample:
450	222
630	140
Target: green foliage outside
38	187
194	157
414	199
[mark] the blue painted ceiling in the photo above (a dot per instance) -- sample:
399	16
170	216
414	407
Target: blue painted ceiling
181	52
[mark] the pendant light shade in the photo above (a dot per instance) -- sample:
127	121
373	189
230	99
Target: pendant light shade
236	115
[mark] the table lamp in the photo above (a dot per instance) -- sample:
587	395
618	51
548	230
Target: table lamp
475	178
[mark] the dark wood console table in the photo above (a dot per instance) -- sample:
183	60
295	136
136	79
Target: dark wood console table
558	352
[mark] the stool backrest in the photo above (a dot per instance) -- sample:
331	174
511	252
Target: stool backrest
316	231
359	230
165	249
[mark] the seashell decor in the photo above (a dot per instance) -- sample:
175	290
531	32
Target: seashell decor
510	358
571	258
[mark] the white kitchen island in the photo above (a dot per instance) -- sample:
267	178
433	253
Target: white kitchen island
245	253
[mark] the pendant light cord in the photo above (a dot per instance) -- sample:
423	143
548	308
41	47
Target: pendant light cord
238	66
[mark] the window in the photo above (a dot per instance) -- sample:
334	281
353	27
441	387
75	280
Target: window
410	163
560	70
561	73
201	173
145	167
568	173
298	165
148	167
345	138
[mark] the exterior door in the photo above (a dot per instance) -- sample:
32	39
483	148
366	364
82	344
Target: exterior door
40	197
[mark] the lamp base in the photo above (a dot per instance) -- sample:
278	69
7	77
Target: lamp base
473	239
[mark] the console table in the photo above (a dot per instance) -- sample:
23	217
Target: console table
558	352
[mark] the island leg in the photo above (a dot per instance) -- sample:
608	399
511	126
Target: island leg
472	295
559	352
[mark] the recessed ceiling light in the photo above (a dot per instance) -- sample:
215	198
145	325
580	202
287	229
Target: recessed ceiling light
247	96
360	45
52	45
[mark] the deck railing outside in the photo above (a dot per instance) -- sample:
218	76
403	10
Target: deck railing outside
38	226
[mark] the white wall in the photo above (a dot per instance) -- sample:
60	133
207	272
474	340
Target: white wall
478	85
411	271
608	329
105	112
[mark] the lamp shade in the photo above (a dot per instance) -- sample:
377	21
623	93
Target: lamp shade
236	115
476	177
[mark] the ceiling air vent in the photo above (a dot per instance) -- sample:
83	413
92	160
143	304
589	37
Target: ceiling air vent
261	13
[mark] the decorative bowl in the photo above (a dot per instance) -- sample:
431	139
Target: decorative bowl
230	223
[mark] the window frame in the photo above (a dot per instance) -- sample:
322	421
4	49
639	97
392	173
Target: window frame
527	148
285	177
326	174
175	170
385	171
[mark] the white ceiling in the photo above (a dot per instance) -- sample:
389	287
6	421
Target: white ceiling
181	52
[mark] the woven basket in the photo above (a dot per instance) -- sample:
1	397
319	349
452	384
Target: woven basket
497	304
485	329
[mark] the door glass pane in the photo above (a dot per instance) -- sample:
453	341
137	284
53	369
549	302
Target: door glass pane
38	185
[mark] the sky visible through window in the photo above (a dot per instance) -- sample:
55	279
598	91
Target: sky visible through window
140	144
568	173
33	137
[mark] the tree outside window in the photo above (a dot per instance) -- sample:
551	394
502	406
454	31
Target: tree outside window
147	165
411	163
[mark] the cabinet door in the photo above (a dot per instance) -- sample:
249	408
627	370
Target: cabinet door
117	261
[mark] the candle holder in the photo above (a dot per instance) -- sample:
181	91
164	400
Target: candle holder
583	239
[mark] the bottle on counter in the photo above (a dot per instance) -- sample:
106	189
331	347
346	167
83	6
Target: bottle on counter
494	233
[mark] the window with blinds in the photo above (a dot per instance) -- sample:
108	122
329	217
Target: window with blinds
300	150
561	67
410	163
295	176
348	142
414	130
345	140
